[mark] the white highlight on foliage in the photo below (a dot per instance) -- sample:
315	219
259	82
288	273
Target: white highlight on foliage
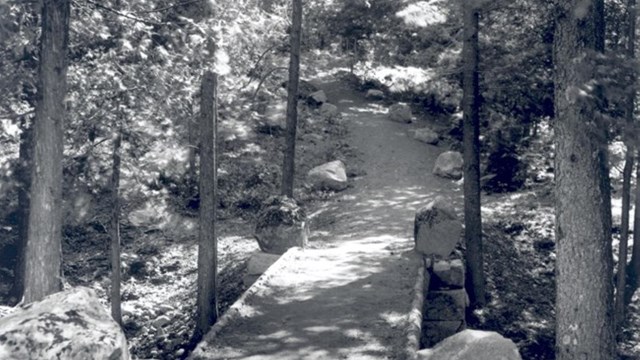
222	62
423	14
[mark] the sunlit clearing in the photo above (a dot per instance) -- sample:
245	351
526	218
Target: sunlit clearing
423	14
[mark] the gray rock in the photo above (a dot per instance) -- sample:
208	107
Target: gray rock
317	98
426	135
328	110
449	165
449	305
70	325
437	229
449	274
161	321
473	345
400	113
329	176
260	261
281	225
374	94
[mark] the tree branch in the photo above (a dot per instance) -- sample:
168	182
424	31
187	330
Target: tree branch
124	15
185	3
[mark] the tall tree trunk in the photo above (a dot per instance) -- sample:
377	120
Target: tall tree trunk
43	251
288	167
471	129
633	270
584	265
24	177
207	305
114	231
626	178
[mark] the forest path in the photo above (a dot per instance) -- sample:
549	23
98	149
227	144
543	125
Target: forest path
348	296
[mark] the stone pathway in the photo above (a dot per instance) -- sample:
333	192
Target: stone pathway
349	298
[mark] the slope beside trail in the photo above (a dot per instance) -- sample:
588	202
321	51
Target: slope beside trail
349	294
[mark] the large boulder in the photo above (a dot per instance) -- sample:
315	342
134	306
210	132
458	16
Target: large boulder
473	345
329	110
317	98
400	113
329	176
258	263
71	325
281	225
449	165
437	229
427	136
374	94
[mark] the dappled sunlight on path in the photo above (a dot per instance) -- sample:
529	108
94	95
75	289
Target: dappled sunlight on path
347	296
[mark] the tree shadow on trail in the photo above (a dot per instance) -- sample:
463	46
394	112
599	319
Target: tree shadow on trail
328	317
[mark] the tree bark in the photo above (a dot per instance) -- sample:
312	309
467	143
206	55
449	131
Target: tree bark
471	144
114	231
207	306
633	270
23	174
43	251
626	179
288	167
584	265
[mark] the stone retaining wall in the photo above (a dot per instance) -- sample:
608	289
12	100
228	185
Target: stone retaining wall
446	300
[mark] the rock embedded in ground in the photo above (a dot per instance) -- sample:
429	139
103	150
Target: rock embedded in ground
427	136
71	325
258	263
374	94
328	176
473	345
437	229
328	110
317	98
400	113
449	165
281	225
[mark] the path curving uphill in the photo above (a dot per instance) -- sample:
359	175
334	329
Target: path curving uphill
349	296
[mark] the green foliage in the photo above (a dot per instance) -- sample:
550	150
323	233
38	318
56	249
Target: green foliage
280	210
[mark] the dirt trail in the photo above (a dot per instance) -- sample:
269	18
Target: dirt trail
349	295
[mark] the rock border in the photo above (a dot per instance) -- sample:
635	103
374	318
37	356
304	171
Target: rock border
414	321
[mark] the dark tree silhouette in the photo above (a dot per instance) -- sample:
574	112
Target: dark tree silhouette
288	167
471	145
207	304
